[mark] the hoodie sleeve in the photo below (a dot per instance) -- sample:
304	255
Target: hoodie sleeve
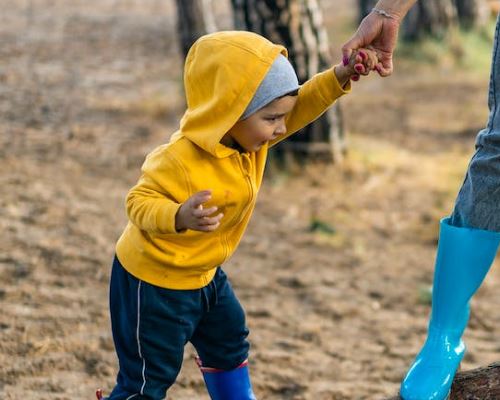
314	98
153	202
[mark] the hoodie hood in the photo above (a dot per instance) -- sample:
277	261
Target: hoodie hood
221	75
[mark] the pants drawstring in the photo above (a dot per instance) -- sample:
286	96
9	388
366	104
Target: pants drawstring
216	299
210	295
205	296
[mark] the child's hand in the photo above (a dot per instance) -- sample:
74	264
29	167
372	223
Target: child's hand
193	216
362	62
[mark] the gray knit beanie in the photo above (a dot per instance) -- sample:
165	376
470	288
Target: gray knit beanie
280	80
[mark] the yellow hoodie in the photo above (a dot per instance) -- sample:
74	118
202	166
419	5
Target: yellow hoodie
222	72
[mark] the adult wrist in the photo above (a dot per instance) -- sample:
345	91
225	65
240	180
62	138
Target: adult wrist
397	9
382	12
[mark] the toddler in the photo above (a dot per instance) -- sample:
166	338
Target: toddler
192	204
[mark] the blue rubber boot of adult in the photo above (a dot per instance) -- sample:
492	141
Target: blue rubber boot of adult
228	385
464	257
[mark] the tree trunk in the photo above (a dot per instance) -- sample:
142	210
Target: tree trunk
480	384
298	25
194	19
435	17
431	17
471	12
364	7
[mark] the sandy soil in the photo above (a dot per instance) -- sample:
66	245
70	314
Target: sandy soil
87	88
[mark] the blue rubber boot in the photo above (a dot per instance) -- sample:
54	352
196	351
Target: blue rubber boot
464	257
228	385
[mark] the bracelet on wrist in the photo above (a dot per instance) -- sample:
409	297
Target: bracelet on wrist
383	13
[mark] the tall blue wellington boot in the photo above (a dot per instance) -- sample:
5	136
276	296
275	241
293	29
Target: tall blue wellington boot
228	385
464	257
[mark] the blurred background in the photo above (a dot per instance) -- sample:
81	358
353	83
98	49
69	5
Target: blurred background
336	266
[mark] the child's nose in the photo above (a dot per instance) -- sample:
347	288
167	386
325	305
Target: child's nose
280	130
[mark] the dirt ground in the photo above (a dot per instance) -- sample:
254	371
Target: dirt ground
87	88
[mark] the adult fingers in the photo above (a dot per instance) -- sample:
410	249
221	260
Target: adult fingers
384	69
369	29
354	43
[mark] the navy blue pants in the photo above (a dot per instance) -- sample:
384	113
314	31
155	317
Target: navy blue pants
151	325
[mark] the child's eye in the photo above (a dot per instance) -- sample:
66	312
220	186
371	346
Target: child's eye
273	119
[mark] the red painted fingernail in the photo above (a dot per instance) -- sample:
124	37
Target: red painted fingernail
359	68
363	55
345	61
355	78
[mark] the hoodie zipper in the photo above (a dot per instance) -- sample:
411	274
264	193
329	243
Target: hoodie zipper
248	178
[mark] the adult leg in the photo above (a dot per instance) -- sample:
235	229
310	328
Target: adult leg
220	340
468	244
463	259
151	326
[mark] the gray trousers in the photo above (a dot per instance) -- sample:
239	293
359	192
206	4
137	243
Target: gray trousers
478	202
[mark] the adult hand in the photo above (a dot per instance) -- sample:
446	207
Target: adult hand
379	33
192	215
362	62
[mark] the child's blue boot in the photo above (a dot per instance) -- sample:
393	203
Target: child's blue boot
228	385
464	257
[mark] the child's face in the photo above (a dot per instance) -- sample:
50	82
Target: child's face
264	125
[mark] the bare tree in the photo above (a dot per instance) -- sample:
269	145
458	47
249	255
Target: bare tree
470	12
431	17
364	7
434	17
298	25
194	19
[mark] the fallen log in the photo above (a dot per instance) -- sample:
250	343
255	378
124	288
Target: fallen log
476	384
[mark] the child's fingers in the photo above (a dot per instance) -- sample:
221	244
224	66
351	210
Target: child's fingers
369	62
210	224
373	60
204	212
208	228
199	198
369	59
208	221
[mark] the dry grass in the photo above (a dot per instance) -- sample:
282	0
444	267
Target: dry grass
88	88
